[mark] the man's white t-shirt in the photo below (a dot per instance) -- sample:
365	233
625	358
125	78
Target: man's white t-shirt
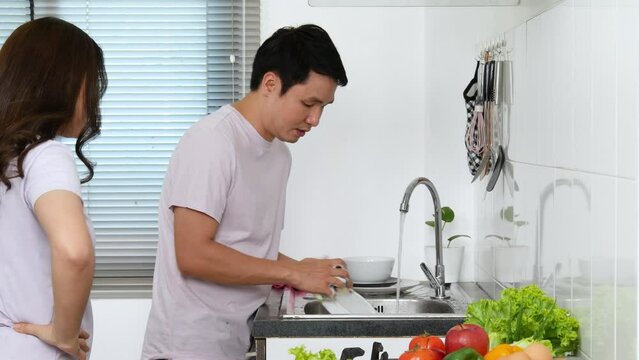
25	254
223	168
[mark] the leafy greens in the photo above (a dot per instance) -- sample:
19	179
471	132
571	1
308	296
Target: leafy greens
301	353
528	315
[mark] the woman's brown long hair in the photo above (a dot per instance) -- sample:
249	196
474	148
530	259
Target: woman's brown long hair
43	64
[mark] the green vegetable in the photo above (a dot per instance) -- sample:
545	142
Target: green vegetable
464	354
301	353
526	314
524	343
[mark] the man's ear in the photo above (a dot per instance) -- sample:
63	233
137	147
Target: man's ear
271	83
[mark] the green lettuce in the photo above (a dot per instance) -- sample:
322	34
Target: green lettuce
524	343
526	313
301	353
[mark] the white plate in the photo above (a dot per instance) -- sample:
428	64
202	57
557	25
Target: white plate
348	302
388	282
403	285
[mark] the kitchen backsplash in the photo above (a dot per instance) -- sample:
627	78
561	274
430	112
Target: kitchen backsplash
566	217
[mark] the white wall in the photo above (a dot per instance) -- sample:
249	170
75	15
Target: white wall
119	326
350	173
453	37
573	148
407	68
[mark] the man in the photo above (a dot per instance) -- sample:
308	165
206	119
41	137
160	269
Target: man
222	205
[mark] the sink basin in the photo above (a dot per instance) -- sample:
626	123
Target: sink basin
290	313
416	304
411	306
389	307
295	314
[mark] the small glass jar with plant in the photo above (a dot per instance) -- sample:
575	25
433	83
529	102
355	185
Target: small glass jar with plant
511	260
452	255
448	215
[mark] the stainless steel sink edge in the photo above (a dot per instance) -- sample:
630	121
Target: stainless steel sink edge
294	308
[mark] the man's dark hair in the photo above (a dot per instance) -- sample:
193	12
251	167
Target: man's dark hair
292	52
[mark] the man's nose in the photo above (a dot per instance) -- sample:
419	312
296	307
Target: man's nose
313	118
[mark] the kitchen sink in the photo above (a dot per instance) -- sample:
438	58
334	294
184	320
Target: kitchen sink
289	313
416	303
389	307
411	306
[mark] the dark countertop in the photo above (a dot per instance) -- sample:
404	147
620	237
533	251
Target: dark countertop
275	320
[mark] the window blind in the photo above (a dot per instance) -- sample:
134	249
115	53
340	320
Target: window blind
169	63
12	14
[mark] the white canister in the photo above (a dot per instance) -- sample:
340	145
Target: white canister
452	256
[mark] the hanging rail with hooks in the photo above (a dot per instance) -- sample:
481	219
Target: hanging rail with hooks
491	49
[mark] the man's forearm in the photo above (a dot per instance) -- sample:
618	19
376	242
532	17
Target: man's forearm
285	258
224	265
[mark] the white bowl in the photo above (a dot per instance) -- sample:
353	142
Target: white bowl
369	268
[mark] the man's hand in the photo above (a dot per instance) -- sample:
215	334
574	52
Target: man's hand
76	347
319	276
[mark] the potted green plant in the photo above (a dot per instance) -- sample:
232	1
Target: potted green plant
510	264
453	255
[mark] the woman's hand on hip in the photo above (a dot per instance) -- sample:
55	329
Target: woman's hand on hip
76	347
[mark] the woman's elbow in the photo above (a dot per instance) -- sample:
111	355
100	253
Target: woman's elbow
79	257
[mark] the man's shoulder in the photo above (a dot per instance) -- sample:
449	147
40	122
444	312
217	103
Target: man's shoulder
222	124
213	129
217	121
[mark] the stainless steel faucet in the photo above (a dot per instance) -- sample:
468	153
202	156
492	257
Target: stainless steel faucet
437	282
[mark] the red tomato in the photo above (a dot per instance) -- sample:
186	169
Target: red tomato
439	354
426	341
421	354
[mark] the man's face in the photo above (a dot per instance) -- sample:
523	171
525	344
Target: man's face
299	110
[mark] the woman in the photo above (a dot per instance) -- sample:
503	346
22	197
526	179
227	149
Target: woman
51	80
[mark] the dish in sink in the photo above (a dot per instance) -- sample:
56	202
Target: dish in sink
385	290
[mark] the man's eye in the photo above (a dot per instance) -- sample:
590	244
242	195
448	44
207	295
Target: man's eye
306	104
